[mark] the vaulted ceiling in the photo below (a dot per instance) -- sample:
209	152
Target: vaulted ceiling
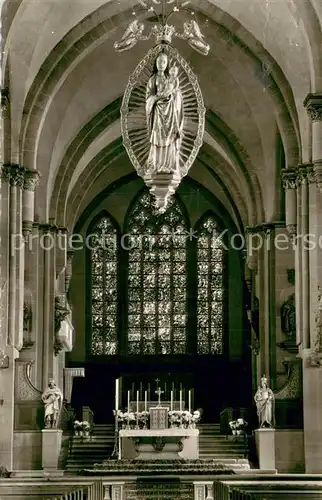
66	83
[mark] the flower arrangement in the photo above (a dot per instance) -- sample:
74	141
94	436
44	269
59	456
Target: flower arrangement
238	426
184	418
125	417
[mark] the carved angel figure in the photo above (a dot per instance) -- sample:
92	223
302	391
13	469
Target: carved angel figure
133	33
192	33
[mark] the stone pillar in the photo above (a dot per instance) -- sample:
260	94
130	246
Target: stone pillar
31	181
48	242
304	179
265	444
199	490
10	300
51	446
289	178
117	490
312	376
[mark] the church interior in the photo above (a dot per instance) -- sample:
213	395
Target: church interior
161	352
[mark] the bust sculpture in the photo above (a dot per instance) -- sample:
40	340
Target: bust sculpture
52	398
264	399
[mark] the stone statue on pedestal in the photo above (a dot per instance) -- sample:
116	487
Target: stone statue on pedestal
288	317
53	399
264	399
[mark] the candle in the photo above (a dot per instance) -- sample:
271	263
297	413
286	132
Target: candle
137	401
117	394
128	400
171	402
145	401
189	401
180	400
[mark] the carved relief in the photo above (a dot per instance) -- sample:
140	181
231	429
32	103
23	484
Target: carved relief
24	389
292	388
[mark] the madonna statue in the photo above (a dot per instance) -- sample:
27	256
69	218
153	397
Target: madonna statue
164	113
264	399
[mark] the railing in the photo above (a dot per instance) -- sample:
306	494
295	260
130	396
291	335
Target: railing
80	494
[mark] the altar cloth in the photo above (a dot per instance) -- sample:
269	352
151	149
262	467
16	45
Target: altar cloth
159	444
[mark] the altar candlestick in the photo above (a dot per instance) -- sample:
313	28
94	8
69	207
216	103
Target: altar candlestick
145	401
149	392
137	401
171	402
180	400
165	391
117	394
189	401
128	400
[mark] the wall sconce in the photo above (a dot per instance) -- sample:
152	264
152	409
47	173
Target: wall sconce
4	360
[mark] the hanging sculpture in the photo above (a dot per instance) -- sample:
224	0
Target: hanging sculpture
162	113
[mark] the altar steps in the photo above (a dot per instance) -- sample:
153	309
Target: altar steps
213	445
87	451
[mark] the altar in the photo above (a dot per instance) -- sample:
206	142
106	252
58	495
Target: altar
159	444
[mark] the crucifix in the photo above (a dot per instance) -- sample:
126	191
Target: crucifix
159	392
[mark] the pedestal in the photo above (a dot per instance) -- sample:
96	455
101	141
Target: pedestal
265	445
51	446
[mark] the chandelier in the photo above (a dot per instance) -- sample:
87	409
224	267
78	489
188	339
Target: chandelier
162	112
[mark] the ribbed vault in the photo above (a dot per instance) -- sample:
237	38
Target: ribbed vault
66	84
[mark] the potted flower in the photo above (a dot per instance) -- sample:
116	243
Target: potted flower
232	425
241	425
195	418
78	428
86	428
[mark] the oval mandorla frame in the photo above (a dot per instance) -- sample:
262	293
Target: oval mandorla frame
133	115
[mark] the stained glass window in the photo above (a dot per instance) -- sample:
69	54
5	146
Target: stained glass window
210	266
103	245
157	279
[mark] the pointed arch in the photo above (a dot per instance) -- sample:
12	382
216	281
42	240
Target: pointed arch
211	284
157	277
103	303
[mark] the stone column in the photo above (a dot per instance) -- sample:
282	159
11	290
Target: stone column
11	184
305	177
47	244
14	175
289	178
312	376
31	181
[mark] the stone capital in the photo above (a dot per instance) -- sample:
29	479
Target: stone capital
306	173
13	174
313	105
47	228
317	172
31	179
290	178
